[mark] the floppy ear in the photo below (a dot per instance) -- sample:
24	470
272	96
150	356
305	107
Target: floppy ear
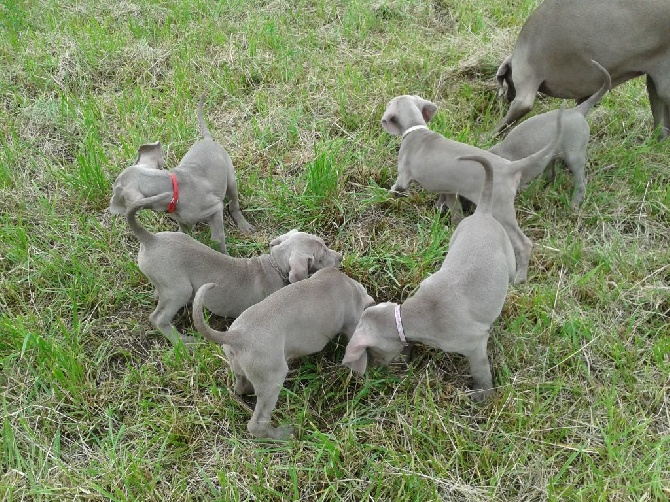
427	108
151	155
278	240
390	124
299	263
356	356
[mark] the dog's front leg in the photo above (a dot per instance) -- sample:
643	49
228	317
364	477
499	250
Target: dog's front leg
401	183
217	233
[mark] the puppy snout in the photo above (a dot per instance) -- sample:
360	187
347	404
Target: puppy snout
337	258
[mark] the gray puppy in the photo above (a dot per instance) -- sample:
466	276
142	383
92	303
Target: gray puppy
453	308
532	134
198	185
297	320
435	163
177	265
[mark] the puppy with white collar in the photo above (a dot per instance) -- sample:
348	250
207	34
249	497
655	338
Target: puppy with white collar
453	309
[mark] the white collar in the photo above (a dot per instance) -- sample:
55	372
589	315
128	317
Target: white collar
414	128
398	325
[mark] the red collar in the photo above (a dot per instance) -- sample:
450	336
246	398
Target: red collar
175	194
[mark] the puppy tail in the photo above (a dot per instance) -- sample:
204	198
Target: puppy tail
142	234
484	205
586	106
201	119
543	156
219	337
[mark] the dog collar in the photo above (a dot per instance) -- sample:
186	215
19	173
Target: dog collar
175	194
281	273
398	325
412	129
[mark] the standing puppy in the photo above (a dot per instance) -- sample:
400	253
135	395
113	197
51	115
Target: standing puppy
437	164
453	308
297	320
197	186
532	134
177	265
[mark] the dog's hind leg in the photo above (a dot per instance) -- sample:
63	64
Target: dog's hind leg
267	393
167	307
480	369
234	205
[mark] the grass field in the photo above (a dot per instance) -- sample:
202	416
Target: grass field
96	404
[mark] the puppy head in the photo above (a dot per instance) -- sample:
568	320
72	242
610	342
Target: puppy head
124	192
151	155
300	253
405	111
375	336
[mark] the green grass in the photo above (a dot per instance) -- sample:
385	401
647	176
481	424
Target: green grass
97	405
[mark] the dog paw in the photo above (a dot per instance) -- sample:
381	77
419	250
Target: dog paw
396	193
284	433
481	395
247	229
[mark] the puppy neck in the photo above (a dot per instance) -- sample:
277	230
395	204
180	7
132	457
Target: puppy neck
282	274
410	130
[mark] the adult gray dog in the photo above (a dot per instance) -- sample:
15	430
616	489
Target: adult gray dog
532	134
453	309
197	186
297	320
435	163
558	41
177	265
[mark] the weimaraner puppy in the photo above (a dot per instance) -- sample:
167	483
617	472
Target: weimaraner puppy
532	134
558	41
435	163
198	185
453	309
297	320
177	265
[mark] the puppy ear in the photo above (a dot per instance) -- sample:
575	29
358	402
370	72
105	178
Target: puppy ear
278	240
151	155
427	108
299	263
356	356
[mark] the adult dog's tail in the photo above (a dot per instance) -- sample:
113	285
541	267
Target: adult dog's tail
201	119
220	337
142	234
484	205
586	106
